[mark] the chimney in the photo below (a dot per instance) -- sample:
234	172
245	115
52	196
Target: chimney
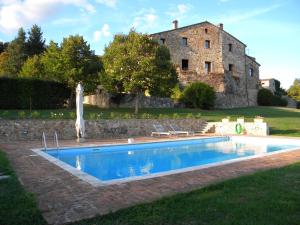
221	26
175	24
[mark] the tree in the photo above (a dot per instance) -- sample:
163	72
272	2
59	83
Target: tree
3	62
294	90
52	63
33	68
35	44
3	46
166	77
72	62
131	65
278	90
16	54
79	63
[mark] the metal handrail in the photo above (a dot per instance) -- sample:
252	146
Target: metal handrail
44	143
55	140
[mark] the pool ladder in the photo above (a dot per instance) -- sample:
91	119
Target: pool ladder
55	140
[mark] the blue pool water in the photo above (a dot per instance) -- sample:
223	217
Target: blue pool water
125	161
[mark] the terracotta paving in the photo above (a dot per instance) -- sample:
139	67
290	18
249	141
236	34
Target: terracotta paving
64	198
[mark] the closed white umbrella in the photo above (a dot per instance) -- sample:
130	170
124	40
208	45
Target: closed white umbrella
80	129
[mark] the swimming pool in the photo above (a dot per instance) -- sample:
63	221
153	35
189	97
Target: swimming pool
119	163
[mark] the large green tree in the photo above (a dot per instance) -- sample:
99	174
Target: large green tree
16	54
166	77
51	60
294	90
131	64
71	62
35	44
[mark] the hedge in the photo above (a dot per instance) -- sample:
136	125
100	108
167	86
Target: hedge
23	93
266	98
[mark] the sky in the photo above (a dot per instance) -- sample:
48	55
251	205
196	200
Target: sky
270	28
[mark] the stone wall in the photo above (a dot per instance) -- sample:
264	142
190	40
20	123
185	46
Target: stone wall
195	51
14	130
104	100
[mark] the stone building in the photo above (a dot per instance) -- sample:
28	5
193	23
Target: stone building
207	53
268	84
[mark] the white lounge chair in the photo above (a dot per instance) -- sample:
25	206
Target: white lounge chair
175	130
159	130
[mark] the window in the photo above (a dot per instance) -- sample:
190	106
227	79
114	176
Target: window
207	67
207	44
162	41
185	64
230	67
184	41
230	47
251	73
206	31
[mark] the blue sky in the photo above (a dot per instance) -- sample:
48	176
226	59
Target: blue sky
270	28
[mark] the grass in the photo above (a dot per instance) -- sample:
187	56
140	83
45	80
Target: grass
17	207
264	198
282	121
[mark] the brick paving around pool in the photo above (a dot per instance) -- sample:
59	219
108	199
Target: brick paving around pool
64	198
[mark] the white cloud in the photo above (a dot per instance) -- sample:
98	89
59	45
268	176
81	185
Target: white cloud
247	15
145	19
179	11
103	32
17	13
109	3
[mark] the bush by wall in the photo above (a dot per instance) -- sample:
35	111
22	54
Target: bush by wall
266	98
199	95
22	93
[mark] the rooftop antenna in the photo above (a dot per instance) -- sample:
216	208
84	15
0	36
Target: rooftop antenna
248	51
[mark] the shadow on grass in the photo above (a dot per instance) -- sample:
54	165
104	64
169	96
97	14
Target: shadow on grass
292	132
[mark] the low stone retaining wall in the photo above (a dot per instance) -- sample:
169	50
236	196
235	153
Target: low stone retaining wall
14	130
256	128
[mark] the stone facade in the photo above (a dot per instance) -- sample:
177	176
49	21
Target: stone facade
268	84
16	130
205	52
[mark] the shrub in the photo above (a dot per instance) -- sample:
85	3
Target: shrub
72	115
176	116
21	115
35	114
266	98
23	93
199	95
190	116
176	93
146	116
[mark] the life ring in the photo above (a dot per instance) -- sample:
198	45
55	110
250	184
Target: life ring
238	128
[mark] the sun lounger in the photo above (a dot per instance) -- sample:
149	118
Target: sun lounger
159	130
175	130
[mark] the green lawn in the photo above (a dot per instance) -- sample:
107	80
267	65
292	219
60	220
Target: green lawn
282	121
17	207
